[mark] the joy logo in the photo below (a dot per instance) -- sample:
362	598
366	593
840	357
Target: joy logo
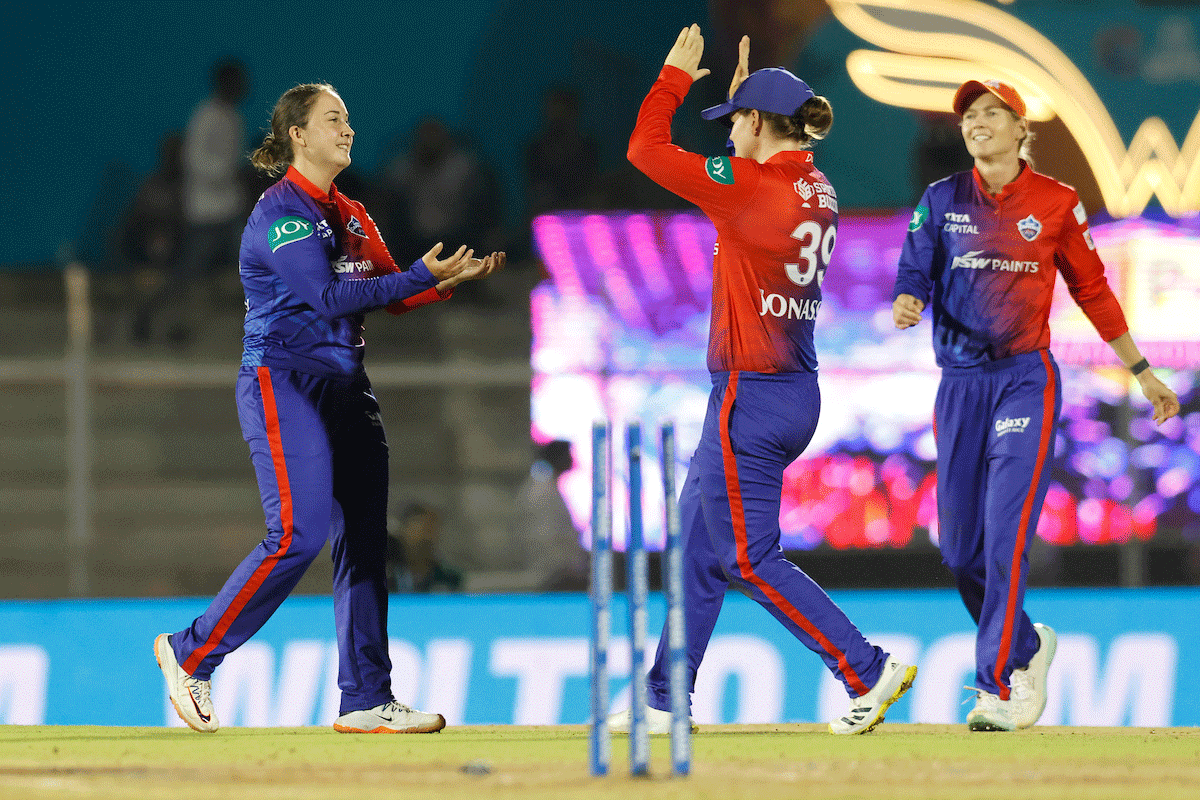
288	230
1011	425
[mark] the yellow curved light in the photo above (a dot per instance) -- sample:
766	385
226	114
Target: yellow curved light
929	65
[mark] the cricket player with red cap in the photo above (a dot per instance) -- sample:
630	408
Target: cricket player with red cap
776	221
983	248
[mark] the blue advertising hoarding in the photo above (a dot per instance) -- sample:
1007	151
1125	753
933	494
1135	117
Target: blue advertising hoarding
523	659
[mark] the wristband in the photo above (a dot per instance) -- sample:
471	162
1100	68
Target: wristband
1140	367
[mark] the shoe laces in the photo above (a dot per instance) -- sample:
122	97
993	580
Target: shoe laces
1022	686
200	690
393	705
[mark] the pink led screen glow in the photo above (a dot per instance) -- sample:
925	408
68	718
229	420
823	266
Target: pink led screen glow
620	327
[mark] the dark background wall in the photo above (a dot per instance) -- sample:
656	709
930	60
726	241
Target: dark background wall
89	88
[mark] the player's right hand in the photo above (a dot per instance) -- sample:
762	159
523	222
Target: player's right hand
686	52
451	265
906	311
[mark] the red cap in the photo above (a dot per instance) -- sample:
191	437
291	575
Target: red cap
969	91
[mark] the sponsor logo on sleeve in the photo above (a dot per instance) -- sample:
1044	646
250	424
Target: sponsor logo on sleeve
920	214
804	189
1087	237
288	230
355	227
1080	214
1029	228
720	169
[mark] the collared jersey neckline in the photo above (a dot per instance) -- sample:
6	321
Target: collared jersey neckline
311	188
1023	179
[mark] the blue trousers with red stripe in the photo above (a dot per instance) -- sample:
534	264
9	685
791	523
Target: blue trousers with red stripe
321	457
756	424
994	426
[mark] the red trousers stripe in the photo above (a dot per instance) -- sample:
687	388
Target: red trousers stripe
1023	528
275	440
738	514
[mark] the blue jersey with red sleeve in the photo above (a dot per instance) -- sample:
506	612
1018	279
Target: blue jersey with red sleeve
776	227
989	264
312	263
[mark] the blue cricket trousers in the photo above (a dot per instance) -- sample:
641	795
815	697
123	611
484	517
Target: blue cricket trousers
319	450
756	424
994	426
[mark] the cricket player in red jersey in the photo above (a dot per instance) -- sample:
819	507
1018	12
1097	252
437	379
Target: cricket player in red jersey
984	247
776	221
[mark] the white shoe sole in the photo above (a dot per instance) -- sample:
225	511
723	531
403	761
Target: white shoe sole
432	727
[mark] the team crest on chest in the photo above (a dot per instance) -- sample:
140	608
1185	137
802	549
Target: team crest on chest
355	227
1029	228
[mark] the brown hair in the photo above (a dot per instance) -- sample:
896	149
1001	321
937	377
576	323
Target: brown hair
810	122
275	153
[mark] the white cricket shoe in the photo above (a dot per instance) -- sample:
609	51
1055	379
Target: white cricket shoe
866	711
1029	683
191	697
990	712
391	717
657	720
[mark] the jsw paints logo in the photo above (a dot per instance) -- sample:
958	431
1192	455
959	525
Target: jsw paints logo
779	306
342	266
1011	425
973	260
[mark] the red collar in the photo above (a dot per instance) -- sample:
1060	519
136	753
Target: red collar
805	156
311	188
1023	179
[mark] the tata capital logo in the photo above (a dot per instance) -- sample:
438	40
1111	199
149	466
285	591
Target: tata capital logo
1011	425
958	223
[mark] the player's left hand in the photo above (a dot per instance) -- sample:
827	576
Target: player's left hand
686	52
1166	402
743	68
476	269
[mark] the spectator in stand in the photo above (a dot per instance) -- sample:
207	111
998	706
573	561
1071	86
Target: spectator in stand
214	197
151	237
413	560
561	161
446	193
552	550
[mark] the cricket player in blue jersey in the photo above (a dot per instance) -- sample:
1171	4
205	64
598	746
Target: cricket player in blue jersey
312	263
983	248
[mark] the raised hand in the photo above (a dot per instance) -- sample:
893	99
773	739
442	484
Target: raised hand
449	266
686	52
743	68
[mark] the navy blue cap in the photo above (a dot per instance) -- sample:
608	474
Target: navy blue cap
772	89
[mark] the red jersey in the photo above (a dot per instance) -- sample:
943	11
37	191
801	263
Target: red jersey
776	227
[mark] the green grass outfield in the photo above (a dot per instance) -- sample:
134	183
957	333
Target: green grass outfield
532	763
